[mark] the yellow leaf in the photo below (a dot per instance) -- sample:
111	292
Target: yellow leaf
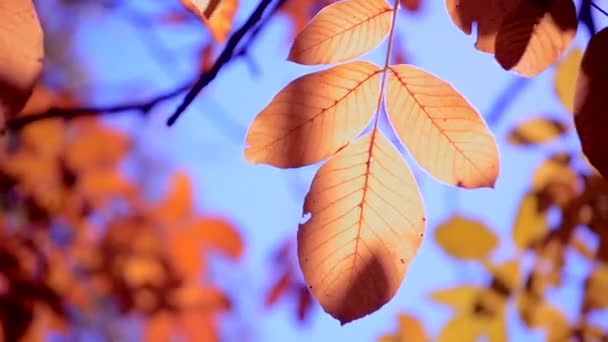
591	102
411	329
366	225
440	128
464	238
342	31
488	15
530	225
216	14
314	116
20	56
564	79
460	298
535	34
507	274
462	328
596	288
537	313
496	330
388	338
537	131
554	170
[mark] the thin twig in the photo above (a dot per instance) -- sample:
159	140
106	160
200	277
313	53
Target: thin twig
226	55
603	11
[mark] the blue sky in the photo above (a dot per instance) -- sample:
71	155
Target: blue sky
266	203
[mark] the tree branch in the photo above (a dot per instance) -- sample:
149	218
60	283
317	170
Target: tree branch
226	55
195	85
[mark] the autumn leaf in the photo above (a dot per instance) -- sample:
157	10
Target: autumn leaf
564	79
314	116
480	240
219	234
411	5
591	103
537	131
488	16
342	31
459	298
21	39
535	34
216	14
462	328
530	224
178	201
507	275
596	287
360	239
554	170
410	330
441	130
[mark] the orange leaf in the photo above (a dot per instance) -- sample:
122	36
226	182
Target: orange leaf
20	56
487	14
216	14
342	31
86	150
411	5
292	131
178	202
366	225
535	34
442	131
219	234
279	288
591	103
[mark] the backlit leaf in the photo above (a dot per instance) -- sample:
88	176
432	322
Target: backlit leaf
314	116
459	298
536	131
535	34
216	14
441	129
530	224
564	80
20	56
554	170
596	288
462	328
342	31
219	234
488	15
591	102
411	329
507	274
366	225
465	238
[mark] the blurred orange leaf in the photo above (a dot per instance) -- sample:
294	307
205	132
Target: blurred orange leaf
219	234
216	14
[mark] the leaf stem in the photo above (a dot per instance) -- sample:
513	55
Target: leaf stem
387	61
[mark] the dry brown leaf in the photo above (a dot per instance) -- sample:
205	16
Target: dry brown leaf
591	102
366	225
537	131
21	55
564	79
314	116
488	15
535	34
442	131
480	240
216	14
342	31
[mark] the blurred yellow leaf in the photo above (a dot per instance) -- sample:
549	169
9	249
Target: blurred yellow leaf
460	298
441	130
530	225
462	328
496	330
216	14
596	288
342	31
507	273
537	313
553	170
536	131
564	79
464	238
411	329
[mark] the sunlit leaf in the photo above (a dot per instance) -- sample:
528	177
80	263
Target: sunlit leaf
219	234
459	298
596	288
314	116
462	328
537	313
564	80
487	15
342	31
411	329
480	240
366	225
530	224
85	150
442	131
535	34
507	274
554	170
178	201
216	14
20	56
537	131
591	103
